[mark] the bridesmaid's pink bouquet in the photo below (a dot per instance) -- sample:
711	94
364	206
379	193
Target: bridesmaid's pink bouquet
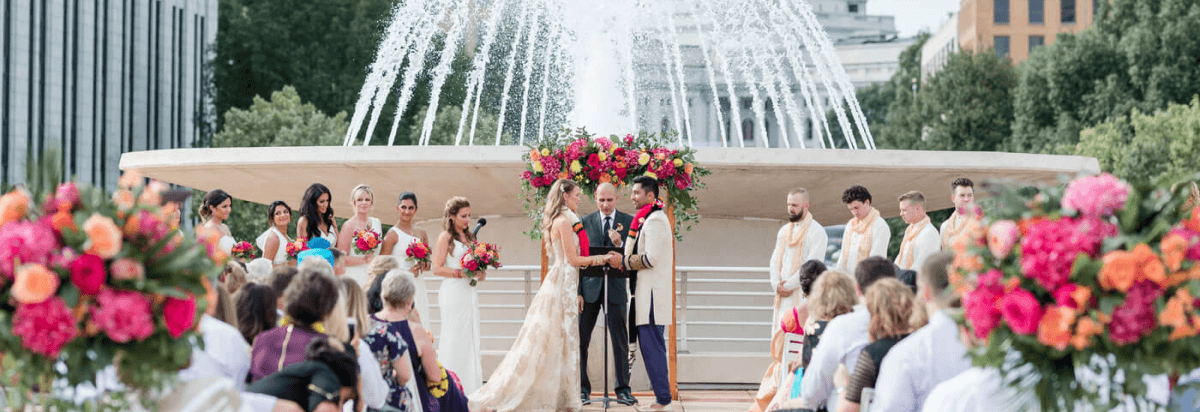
418	252
295	247
479	258
366	240
243	251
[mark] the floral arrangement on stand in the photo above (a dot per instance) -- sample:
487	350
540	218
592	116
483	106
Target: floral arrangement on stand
90	281
480	257
418	252
590	160
1097	276
244	251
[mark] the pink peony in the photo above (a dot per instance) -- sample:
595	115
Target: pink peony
128	269
1063	296
30	242
87	273
1049	249
123	315
1096	196
46	327
1021	311
982	304
67	196
1193	241
470	265
179	315
1135	318
1001	238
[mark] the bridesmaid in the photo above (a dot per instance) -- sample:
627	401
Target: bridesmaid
214	210
396	244
362	198
459	301
273	242
316	217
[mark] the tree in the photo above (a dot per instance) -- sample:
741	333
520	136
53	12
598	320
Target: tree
967	105
1158	149
445	127
887	105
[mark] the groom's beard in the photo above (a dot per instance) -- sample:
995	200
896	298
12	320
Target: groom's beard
797	217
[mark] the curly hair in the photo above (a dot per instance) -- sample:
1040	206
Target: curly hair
453	206
893	307
961	182
809	272
833	295
856	193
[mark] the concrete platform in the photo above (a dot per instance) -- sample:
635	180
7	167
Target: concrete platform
693	401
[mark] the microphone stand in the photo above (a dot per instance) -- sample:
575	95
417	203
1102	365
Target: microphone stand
604	276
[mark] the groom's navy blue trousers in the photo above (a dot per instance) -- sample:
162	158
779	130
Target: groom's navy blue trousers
654	354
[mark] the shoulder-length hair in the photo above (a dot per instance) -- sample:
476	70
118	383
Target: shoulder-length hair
833	295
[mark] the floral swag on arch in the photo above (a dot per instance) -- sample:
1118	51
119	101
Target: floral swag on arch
590	160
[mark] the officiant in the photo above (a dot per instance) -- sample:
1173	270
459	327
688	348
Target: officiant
606	227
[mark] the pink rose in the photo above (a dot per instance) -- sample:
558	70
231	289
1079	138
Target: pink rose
1021	311
1002	236
44	328
30	242
180	315
1063	296
128	269
67	196
981	305
1097	196
123	315
87	273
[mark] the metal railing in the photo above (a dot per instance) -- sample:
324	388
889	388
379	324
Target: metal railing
718	309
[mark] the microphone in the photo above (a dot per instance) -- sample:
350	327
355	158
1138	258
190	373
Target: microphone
478	224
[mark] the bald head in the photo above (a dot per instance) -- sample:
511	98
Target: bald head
606	198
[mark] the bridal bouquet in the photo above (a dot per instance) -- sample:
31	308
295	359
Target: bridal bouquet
480	257
296	246
1097	272
243	251
417	252
366	240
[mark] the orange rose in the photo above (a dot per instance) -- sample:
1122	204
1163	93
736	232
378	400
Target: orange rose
131	225
1082	295
104	237
62	221
123	199
34	284
13	207
1119	271
1084	330
688	168
1055	328
969	262
1176	315
130	179
150	197
562	174
1150	267
534	155
1194	222
1174	248
605	178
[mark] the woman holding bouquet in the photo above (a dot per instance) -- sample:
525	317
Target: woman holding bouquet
459	301
410	246
273	242
541	371
360	236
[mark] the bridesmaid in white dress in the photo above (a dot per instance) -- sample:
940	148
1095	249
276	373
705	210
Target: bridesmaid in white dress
273	242
541	371
316	216
458	343
214	209
396	243
362	198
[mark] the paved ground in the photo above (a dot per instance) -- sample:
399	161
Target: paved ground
693	401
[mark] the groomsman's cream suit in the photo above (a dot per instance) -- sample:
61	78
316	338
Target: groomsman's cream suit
653	259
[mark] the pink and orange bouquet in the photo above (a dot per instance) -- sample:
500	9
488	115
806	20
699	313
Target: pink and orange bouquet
418	252
296	246
1097	268
100	278
479	258
366	240
243	251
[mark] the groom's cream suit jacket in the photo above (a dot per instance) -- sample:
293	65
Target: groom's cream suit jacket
654	260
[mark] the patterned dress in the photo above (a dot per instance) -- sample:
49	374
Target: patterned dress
388	345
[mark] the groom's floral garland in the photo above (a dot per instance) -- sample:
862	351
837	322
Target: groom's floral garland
590	160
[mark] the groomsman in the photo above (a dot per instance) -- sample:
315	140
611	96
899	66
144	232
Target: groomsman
866	235
799	241
921	240
962	192
606	227
650	258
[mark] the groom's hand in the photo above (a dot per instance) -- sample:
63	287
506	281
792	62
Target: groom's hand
614	260
580	303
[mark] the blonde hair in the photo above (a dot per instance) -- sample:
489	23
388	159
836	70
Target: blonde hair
225	310
335	322
359	189
380	266
892	305
800	191
399	287
235	276
914	197
832	295
453	206
356	305
555	202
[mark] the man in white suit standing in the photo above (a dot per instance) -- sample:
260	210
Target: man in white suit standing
650	257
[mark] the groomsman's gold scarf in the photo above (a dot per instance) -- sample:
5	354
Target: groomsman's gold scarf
907	254
865	228
794	241
955	225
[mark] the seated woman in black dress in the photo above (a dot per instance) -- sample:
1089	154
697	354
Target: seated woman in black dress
894	314
833	294
322	383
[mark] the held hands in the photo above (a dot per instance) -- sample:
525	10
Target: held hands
783	293
614	260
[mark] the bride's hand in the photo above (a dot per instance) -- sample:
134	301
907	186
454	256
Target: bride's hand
481	276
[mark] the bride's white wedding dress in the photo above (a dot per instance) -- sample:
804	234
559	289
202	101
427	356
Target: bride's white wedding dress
541	371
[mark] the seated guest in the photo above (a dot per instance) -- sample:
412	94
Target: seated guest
930	355
223	309
832	296
379	267
374	387
256	310
281	278
842	340
799	317
309	299
225	353
234	276
259	270
893	310
322	381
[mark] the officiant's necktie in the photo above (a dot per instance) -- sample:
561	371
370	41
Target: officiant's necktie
607	227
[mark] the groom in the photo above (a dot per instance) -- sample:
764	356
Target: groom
649	257
606	227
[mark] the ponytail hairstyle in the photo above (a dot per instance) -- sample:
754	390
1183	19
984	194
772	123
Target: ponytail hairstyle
211	201
408	196
343	362
453	206
555	202
310	211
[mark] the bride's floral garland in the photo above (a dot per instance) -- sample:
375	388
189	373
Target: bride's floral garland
590	160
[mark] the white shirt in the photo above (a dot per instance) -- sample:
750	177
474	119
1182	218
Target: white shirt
815	243
981	389
880	236
974	390
374	389
917	364
225	354
843	339
924	244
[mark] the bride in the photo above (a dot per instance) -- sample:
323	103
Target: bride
541	371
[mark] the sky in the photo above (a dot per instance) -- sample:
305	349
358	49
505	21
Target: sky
912	16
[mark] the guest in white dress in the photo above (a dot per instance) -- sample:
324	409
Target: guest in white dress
273	242
214	209
316	215
396	243
458	346
362	198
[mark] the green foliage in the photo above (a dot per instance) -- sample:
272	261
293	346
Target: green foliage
282	121
888	107
1158	149
445	127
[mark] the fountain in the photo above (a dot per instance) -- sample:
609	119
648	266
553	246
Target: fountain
718	72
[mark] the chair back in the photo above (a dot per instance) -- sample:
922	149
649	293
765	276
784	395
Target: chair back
793	345
868	395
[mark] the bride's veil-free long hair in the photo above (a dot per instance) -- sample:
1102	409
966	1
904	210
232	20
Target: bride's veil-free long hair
554	203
